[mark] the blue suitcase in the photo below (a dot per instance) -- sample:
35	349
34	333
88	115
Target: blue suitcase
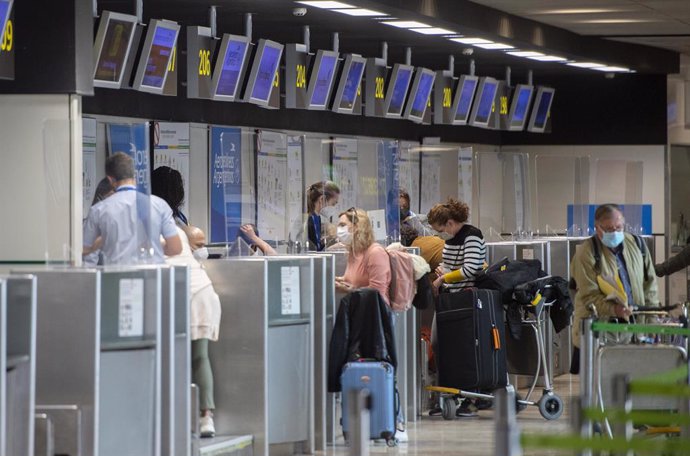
379	378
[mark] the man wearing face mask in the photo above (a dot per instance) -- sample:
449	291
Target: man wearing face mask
611	256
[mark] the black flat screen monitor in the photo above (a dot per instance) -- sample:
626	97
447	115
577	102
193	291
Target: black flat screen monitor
228	72
5	10
484	102
262	75
154	62
519	107
321	79
348	86
396	92
419	95
541	109
462	102
112	47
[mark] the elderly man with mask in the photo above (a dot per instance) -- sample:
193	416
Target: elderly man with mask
612	270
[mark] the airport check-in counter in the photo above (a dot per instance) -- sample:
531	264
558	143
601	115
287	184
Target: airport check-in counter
262	361
98	359
17	362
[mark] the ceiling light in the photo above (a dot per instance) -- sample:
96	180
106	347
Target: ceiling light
495	46
579	11
360	12
406	24
469	40
326	5
433	31
528	54
548	58
585	64
616	21
612	69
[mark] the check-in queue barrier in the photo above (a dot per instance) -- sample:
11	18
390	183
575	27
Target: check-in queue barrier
17	364
262	362
98	355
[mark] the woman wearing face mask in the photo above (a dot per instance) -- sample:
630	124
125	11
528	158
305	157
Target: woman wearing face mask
205	310
368	264
322	198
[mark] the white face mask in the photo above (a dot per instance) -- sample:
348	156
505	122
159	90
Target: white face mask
344	235
200	253
328	211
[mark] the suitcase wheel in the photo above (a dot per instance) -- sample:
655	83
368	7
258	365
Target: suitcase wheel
392	442
450	405
550	406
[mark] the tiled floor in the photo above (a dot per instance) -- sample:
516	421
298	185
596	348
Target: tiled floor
472	436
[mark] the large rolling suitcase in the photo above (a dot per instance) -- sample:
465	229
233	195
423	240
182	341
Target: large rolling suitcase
471	340
379	378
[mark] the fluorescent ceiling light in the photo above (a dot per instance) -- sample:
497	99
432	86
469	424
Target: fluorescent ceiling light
433	31
585	64
326	5
617	21
579	11
470	40
496	46
548	58
360	12
612	69
528	54
406	24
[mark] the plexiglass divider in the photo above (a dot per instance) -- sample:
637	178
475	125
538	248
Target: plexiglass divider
57	188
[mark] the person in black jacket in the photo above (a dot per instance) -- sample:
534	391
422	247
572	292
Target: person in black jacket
679	261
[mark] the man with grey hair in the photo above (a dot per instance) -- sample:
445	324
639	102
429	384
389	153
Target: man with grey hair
128	226
612	270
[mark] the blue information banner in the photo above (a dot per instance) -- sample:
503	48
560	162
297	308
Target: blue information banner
638	218
226	183
389	185
134	141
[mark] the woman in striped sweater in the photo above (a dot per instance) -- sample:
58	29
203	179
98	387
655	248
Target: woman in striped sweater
464	253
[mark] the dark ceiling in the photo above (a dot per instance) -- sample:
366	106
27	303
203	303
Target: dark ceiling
274	19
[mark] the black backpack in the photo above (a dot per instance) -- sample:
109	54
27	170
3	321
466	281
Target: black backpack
597	259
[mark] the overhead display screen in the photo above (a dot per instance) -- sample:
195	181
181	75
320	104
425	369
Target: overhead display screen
540	111
397	90
263	73
161	38
481	111
8	45
227	75
321	80
5	8
519	107
112	47
464	94
421	91
350	79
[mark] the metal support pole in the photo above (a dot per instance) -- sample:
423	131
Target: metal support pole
384	52
139	10
408	56
622	401
508	76
248	25
358	418
472	67
587	343
212	20
306	34
529	77
451	65
336	42
507	432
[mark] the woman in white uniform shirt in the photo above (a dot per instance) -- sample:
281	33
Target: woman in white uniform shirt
205	305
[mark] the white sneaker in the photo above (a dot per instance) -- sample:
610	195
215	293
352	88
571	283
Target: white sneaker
401	435
206	427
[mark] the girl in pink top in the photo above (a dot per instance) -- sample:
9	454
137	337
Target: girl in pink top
368	265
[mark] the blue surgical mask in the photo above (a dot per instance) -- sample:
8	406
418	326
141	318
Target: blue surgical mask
613	239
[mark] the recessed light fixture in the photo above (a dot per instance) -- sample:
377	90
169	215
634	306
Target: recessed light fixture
548	58
579	11
585	64
612	69
326	4
433	31
494	46
471	40
360	12
406	24
528	54
617	21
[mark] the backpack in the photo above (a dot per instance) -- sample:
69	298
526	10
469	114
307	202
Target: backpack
597	259
403	288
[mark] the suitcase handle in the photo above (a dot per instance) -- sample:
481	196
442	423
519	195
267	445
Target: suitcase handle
496	338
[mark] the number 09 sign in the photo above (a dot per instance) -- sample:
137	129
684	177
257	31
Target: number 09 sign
7	42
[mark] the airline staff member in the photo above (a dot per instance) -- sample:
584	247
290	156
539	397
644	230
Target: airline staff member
116	225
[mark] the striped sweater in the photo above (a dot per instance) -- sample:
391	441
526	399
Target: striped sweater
463	257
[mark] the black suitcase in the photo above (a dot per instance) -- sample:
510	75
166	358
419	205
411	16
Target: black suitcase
471	340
